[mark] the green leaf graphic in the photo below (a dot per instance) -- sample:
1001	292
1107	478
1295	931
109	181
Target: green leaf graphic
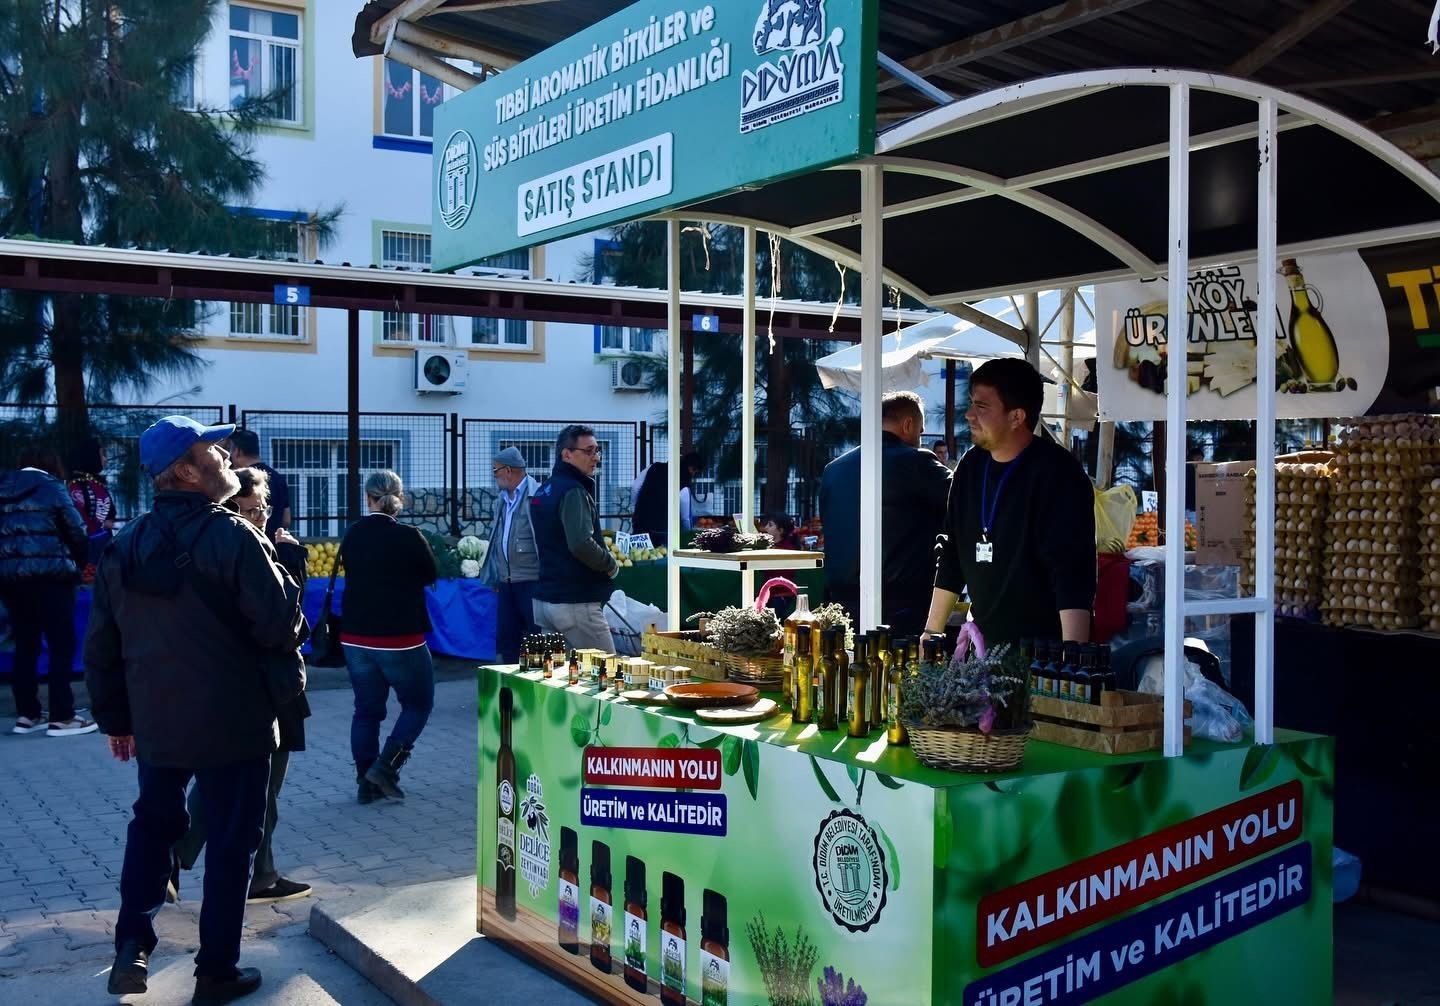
853	773
730	755
750	762
1300	763
825	786
888	782
607	710
556	707
669	741
1260	764
711	742
1121	776
580	729
893	860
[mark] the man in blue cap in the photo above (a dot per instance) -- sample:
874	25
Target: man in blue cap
192	645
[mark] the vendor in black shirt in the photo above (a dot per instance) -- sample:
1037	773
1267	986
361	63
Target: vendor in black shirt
1019	528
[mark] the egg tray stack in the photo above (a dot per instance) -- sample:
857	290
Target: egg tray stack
1302	500
1372	536
1430	556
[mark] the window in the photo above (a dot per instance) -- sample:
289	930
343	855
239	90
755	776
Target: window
410	249
285	240
315	469
408	101
187	85
265	59
615	339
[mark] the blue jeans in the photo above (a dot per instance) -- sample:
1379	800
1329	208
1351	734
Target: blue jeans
372	674
233	798
514	618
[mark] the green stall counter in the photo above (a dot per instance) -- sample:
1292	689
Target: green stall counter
705	589
641	853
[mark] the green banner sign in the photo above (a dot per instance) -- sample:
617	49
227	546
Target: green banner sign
655	107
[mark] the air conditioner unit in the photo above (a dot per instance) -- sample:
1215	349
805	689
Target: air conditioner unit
627	375
441	371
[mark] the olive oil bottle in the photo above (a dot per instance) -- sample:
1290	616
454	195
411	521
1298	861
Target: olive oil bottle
507	805
880	658
802	677
1310	336
859	725
798	621
825	671
895	731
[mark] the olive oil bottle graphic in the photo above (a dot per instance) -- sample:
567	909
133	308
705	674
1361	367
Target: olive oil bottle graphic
506	810
1310	337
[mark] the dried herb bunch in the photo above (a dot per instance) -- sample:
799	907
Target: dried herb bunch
743	631
833	616
785	965
989	690
728	539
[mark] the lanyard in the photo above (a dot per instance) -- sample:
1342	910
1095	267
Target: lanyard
987	510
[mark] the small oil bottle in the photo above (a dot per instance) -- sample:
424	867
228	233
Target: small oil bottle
574	668
602	911
569	894
860	688
672	941
547	670
714	952
637	936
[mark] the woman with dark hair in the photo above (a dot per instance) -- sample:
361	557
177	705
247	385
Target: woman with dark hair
91	496
650	515
781	528
42	550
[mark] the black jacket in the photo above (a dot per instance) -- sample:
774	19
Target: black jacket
575	566
42	536
913	488
291	716
162	664
387	566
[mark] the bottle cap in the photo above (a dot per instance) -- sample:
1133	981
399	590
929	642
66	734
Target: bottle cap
635	881
713	923
672	899
569	850
600	864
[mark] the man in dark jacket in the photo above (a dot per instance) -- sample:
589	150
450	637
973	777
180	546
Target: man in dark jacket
186	686
43	546
575	566
913	488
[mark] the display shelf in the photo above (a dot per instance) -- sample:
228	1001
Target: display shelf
746	562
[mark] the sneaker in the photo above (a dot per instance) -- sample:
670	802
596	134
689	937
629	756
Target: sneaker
72	727
281	890
25	725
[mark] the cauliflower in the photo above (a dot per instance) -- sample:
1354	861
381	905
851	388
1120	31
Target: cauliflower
469	568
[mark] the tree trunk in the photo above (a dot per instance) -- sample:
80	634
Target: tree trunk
777	435
67	350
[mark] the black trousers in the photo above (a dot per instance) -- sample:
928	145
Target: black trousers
264	875
233	797
42	608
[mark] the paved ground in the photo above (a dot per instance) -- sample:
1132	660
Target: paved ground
64	805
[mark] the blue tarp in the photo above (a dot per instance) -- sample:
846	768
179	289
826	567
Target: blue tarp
461	611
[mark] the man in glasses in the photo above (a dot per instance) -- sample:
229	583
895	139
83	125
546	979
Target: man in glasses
512	564
575	566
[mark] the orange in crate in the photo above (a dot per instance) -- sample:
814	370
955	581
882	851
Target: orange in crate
1146	531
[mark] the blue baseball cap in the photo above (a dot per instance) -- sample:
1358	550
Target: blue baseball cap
167	440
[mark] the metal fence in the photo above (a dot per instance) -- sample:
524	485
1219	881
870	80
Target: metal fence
482	439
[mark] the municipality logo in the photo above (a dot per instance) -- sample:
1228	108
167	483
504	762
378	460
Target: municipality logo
455	186
850	870
805	71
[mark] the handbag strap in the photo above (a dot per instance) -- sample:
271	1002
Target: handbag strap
330	587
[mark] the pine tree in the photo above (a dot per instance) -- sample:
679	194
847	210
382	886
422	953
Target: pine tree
95	148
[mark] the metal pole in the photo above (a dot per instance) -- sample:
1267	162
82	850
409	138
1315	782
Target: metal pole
352	417
1265	429
1105	455
747	400
1067	361
950	408
455	480
672	428
1177	338
1031	307
872	319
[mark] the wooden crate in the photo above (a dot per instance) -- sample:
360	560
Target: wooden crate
1123	722
685	649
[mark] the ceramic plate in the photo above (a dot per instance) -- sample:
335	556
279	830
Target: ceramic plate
710	694
641	697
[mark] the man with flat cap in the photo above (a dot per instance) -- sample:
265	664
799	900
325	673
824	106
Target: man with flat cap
192	645
512	564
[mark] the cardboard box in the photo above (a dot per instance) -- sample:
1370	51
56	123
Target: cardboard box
1220	518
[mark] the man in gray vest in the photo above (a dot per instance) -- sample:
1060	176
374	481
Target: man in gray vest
512	564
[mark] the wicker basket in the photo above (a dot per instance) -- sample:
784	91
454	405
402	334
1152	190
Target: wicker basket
966	749
769	669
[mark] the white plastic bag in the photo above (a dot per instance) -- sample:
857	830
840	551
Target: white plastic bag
627	619
1216	714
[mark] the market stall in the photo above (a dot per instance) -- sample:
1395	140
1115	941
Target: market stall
986	912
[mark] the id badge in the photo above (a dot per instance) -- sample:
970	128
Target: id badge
984	551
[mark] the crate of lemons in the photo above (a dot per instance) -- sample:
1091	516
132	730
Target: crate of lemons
635	556
320	557
463	559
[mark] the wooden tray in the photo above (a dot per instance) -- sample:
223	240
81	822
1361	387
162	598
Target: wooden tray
1123	723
